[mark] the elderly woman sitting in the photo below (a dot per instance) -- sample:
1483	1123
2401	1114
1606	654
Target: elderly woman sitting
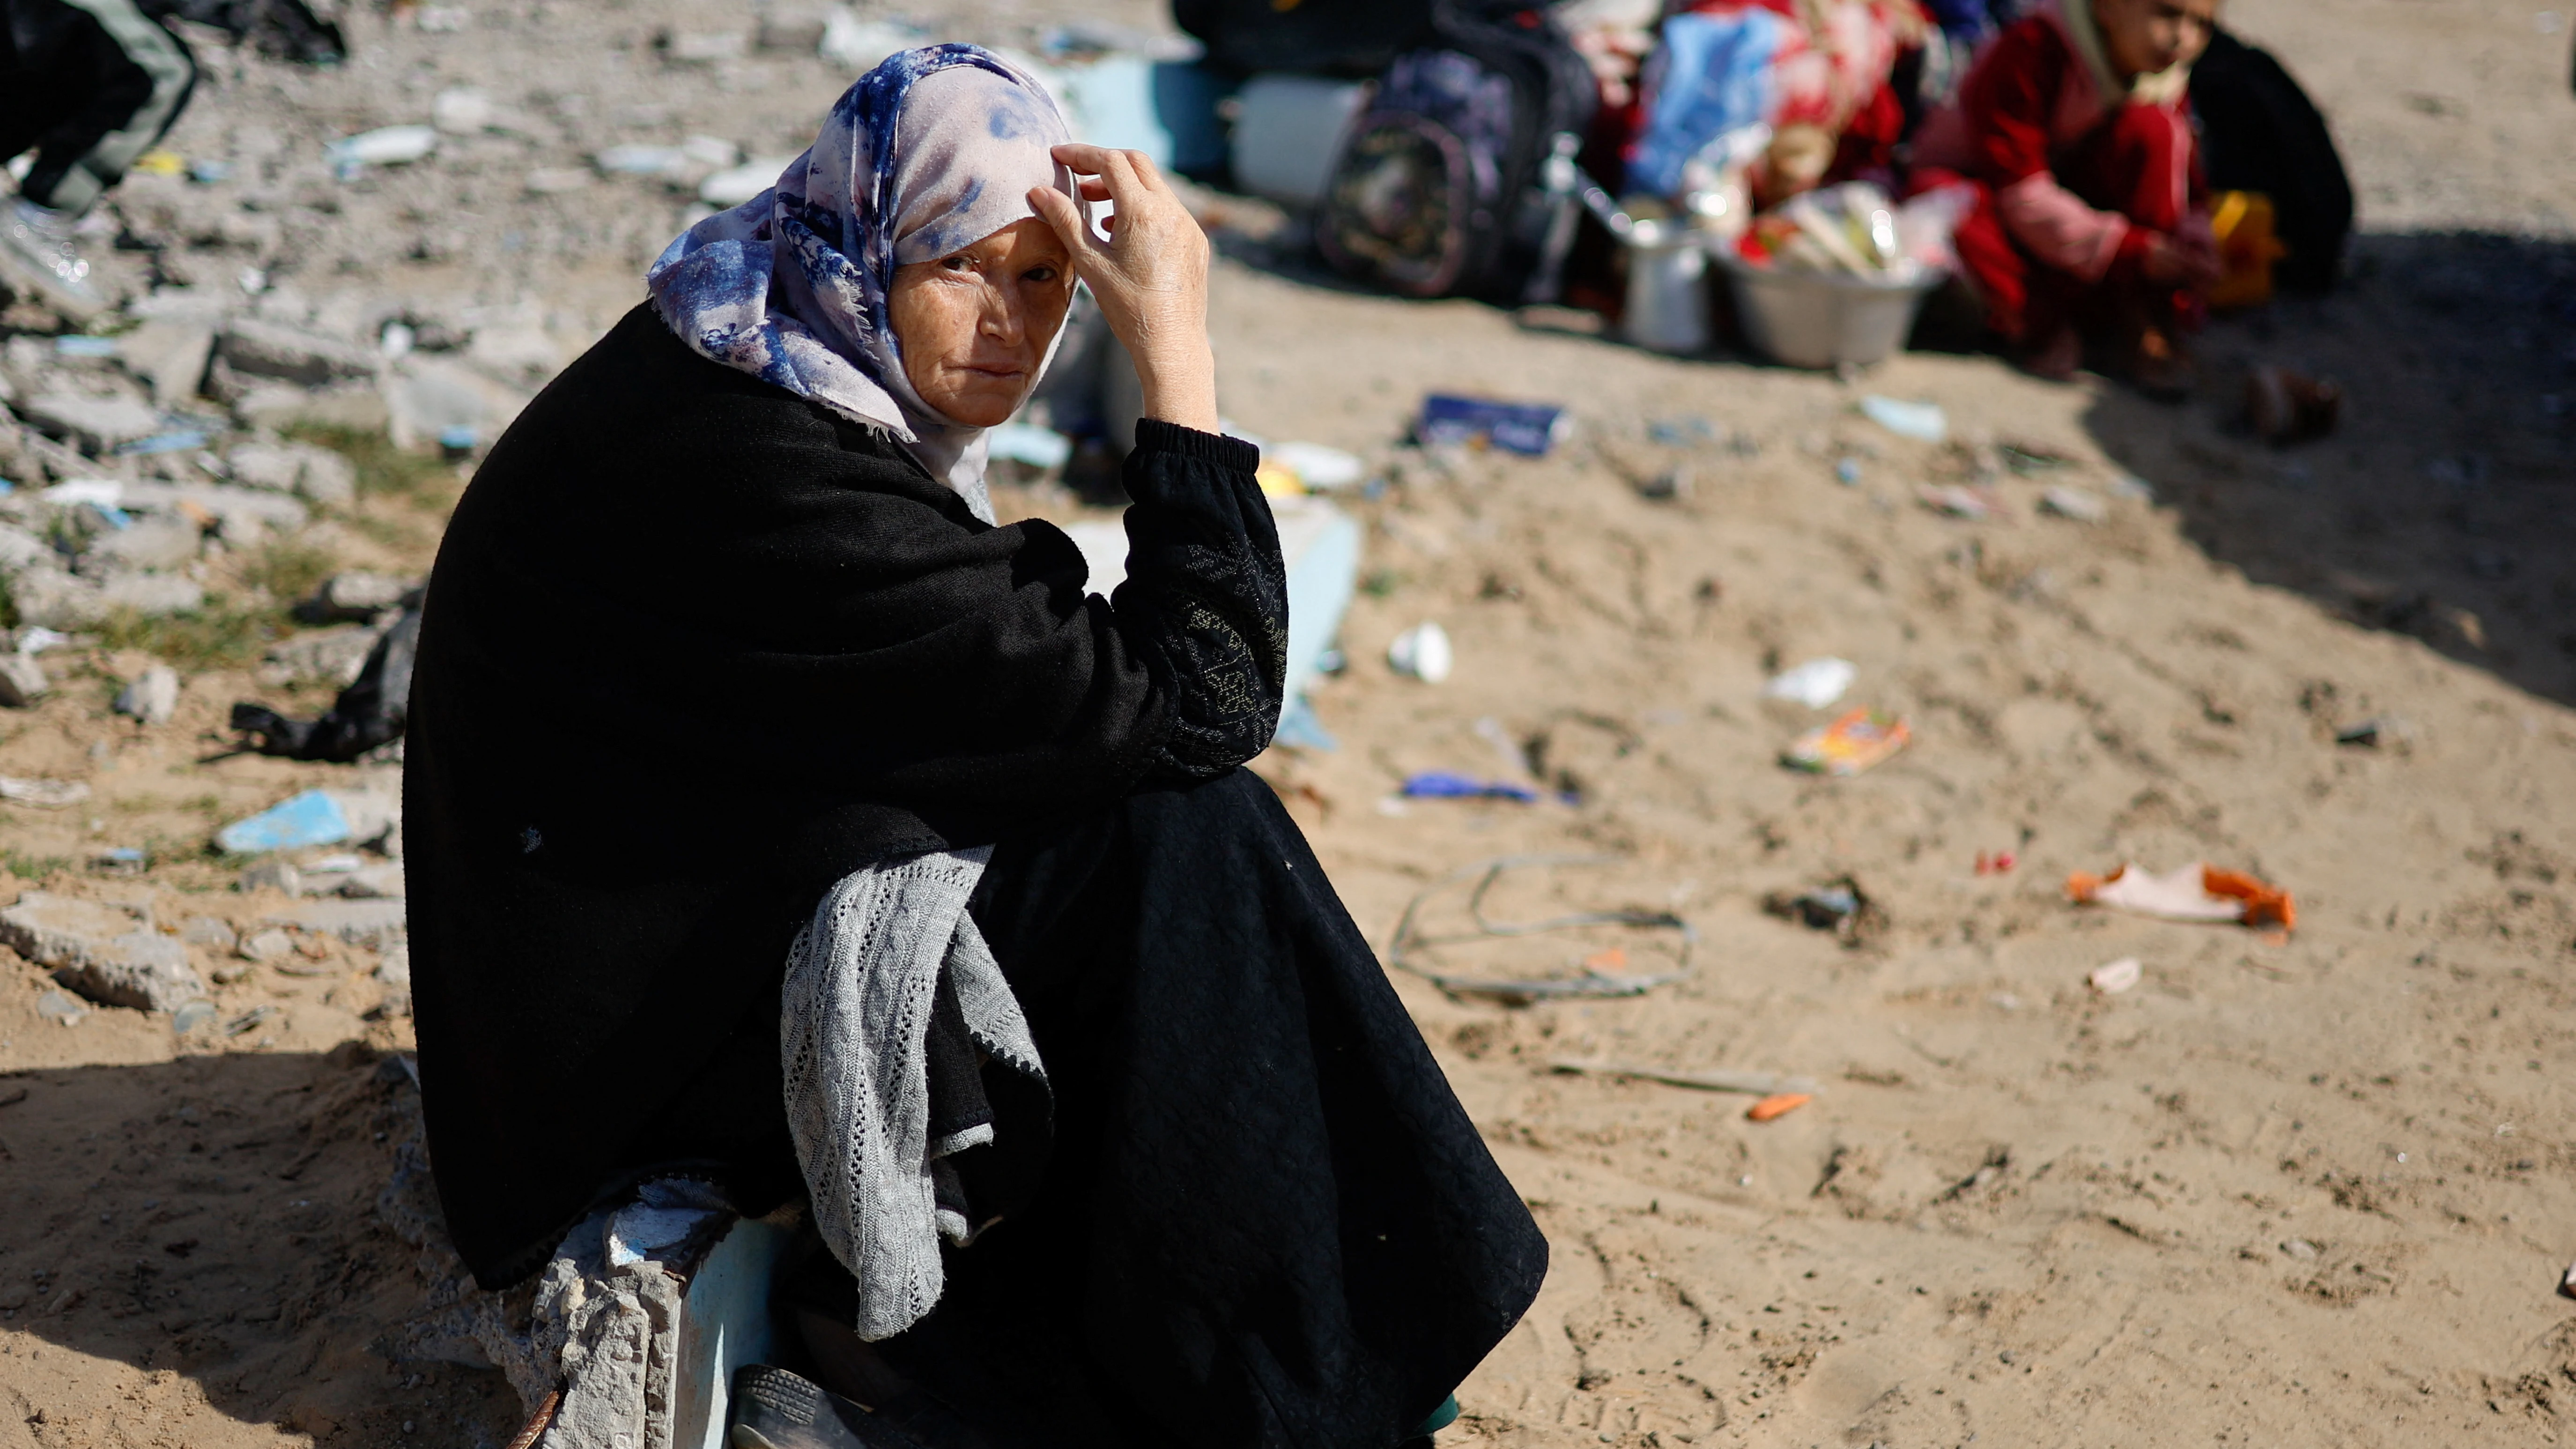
779	822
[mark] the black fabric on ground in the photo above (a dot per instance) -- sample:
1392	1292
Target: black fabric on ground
367	714
695	648
66	85
1265	1220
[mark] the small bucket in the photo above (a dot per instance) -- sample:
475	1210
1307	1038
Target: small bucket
1667	308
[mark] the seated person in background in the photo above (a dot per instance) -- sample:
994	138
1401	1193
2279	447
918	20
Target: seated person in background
2092	220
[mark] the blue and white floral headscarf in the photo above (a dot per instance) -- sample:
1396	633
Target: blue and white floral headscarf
929	153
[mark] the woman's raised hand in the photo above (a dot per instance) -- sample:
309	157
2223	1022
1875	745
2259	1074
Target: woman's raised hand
1150	277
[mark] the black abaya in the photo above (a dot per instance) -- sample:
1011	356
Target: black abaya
1265	1219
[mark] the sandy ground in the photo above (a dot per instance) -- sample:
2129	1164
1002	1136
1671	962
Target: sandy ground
2301	1191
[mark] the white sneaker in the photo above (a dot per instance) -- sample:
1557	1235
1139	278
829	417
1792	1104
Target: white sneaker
37	258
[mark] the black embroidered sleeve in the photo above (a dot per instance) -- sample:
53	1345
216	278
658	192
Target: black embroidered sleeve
1208	596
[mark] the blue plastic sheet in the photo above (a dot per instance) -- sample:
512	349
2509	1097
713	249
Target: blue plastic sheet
312	818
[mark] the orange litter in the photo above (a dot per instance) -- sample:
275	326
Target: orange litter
1779	1104
1614	959
2197	892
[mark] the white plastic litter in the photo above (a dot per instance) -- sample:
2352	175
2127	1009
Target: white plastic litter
1319	467
461	111
1919	420
1423	652
2117	976
2073	503
1815	684
73	492
386	146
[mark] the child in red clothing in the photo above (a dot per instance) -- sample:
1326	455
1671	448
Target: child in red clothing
2092	218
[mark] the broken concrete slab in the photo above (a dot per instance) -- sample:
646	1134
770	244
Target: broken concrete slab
355	595
22	680
374	924
354	406
257	347
109	954
159	541
299	468
170	356
331	655
53	599
20	549
151	595
92	424
224	504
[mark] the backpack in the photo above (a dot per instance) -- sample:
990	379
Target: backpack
2259	132
1460	179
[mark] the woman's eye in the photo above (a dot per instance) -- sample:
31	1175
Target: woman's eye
1041	274
959	263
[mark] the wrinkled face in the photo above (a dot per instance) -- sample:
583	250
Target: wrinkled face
974	325
2144	36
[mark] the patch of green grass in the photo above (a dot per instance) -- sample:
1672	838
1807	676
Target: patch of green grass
383	469
1381	582
222	635
33	867
288	569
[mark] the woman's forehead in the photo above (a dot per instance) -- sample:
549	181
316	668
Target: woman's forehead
1025	240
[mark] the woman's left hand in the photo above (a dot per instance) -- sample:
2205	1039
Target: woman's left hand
1150	277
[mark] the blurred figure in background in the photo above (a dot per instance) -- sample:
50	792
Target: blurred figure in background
2092	217
87	86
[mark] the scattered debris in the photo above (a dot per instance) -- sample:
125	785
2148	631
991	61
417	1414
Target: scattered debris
207	931
109	954
1850	745
1960	500
384	146
1593	982
195	1014
2196	892
2301	1249
60	1008
22	680
2073	503
1847	472
1441	785
1751	1084
2117	976
152	696
2000	862
2283	406
1815	684
1922	421
43	794
1779	1105
1529	429
2567	1282
315	817
1422	652
2375	731
250	1020
269	945
1839	906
